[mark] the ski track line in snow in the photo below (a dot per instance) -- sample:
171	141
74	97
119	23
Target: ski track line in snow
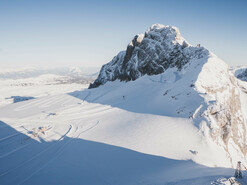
89	112
9	136
28	104
55	154
23	146
89	94
58	153
51	122
101	95
87	115
10	120
81	114
82	108
36	155
24	121
17	125
40	102
15	150
18	132
63	136
52	102
34	102
67	104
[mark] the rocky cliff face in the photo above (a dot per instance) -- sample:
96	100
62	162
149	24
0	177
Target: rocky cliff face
243	75
221	116
160	48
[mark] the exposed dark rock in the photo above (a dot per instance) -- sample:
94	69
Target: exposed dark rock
243	75
161	48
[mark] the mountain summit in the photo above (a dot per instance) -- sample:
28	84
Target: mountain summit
160	48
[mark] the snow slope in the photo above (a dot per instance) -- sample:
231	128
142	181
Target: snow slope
28	83
184	124
91	143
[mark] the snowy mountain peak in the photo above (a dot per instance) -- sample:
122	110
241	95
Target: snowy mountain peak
167	32
161	27
75	71
152	53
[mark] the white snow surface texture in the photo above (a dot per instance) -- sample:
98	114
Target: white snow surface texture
182	126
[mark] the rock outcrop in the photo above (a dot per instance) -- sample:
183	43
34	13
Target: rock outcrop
160	48
243	75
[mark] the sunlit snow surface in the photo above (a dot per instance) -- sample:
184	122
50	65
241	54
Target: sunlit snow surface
27	83
120	133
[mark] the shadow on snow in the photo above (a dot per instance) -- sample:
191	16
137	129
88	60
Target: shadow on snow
78	161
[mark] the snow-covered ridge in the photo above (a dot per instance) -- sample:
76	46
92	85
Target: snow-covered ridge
152	53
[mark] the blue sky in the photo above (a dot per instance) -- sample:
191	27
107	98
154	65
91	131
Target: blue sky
90	33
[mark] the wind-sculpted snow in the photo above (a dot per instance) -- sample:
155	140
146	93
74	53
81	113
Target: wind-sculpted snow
152	53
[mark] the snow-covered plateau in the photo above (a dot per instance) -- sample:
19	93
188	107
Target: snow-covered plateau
161	112
29	83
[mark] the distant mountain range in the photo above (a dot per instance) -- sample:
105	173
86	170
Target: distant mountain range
27	72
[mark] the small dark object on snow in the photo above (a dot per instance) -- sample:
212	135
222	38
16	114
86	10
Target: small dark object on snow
198	45
193	152
238	172
166	92
52	114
